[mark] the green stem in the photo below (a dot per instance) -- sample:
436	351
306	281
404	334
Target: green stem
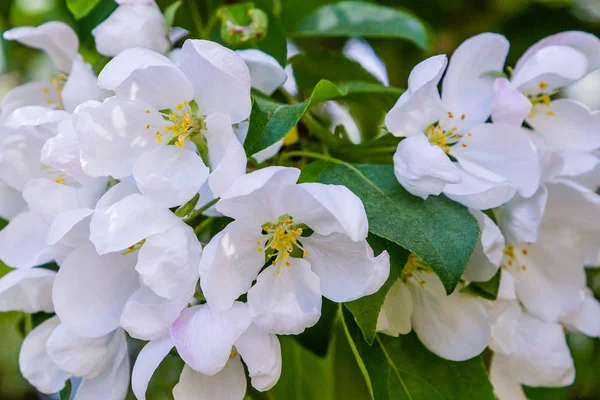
208	221
190	220
311	154
197	20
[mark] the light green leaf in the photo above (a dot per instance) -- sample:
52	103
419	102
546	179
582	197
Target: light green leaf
366	310
81	8
440	231
357	18
488	290
270	120
171	11
403	369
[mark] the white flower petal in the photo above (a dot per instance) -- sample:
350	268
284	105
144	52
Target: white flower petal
36	366
90	291
227	156
57	39
142	74
28	290
347	270
420	106
113	134
587	319
501	150
509	106
455	327
48	198
147	362
396	313
68	222
261	352
286	299
359	50
24	241
127	222
29	94
488	252
423	169
116	193
572	204
478	193
204	337
147	316
230	263
228	384
520	218
81	85
466	90
220	78
11	202
265	72
505	386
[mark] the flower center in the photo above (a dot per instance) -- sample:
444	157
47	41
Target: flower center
183	124
445	139
58	176
512	256
134	247
52	92
541	99
414	269
281	241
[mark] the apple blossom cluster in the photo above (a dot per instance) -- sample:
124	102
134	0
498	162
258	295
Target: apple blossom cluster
102	178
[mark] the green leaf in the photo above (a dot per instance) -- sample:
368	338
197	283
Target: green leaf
81	8
270	120
65	394
366	310
311	172
171	11
188	207
357	18
317	337
440	231
488	290
402	368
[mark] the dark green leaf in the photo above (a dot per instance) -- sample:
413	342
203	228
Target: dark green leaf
488	290
440	231
81	8
311	172
270	120
65	394
357	18
402	368
171	11
318	337
366	310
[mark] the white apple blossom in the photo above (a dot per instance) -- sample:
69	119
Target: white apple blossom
492	160
168	126
135	23
306	234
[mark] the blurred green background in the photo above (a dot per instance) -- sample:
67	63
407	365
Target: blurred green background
523	22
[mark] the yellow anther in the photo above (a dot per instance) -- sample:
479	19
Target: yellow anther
287	264
147	126
463	145
181	138
525	252
158	139
305	252
463	116
147	111
550	113
61	180
46	90
546	100
543	85
179	144
260	249
450	115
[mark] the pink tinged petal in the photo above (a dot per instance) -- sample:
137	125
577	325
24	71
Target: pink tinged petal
587	319
113	134
132	25
227	156
29	94
572	204
567	125
170	175
220	78
24	241
488	252
168	262
228	384
230	263
11	202
141	74
147	362
129	221
90	290
204	337
396	313
261	352
521	218
479	193
28	290
57	39
466	89
347	270
501	151
82	356
455	327
147	316
553	67
35	364
326	209
255	191
423	169
506	387
420	106
265	72
113	383
70	225
509	106
286	299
